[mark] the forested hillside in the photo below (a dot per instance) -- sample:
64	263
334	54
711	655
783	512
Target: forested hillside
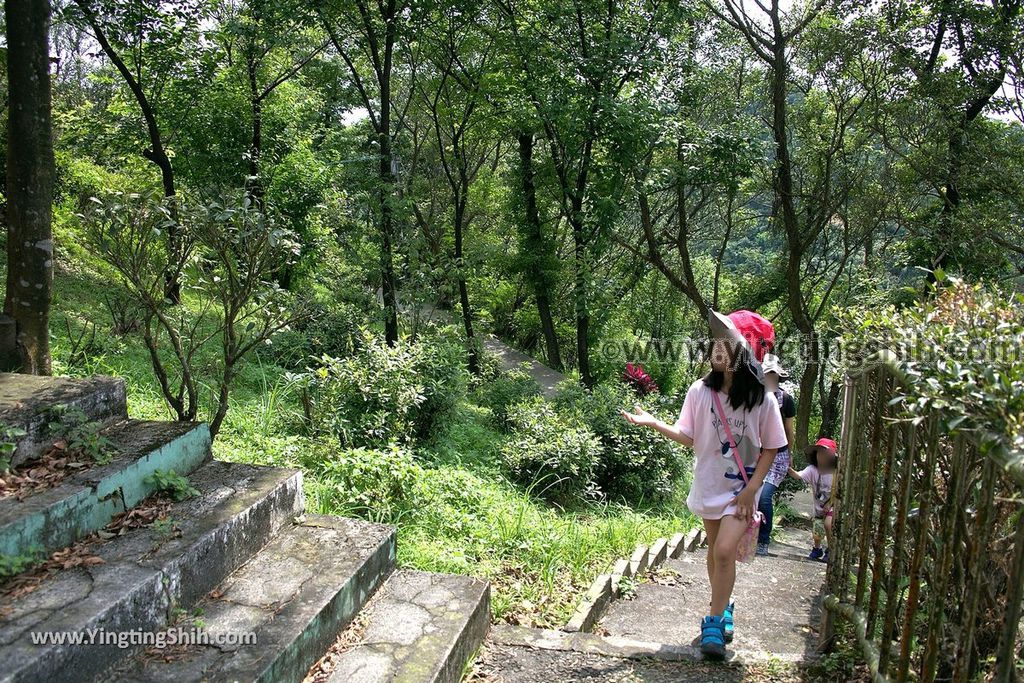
254	199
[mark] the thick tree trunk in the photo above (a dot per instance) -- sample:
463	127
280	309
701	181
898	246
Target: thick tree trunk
535	246
30	179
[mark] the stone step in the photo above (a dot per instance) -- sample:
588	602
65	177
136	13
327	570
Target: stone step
145	575
418	628
294	597
86	500
524	655
25	401
778	603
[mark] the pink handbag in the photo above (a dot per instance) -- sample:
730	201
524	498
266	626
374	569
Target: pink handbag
747	547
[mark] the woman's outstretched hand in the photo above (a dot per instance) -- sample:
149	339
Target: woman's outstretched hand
639	416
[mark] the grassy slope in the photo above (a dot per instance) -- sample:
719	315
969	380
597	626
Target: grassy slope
467	517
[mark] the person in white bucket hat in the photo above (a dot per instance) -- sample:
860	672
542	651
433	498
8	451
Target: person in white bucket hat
774	373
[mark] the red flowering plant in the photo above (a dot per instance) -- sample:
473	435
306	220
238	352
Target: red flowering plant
639	380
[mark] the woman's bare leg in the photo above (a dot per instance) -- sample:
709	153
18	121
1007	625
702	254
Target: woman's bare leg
711	531
730	530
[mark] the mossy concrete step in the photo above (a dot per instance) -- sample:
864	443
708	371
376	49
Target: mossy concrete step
145	575
419	628
87	500
25	401
294	597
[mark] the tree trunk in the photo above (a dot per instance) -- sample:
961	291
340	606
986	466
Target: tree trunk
156	153
387	181
30	179
253	185
794	238
581	261
467	317
539	277
580	297
955	152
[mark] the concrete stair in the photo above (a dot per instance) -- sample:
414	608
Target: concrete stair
239	558
146	573
294	596
420	627
89	499
25	401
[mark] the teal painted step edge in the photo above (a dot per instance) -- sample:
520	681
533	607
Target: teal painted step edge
73	517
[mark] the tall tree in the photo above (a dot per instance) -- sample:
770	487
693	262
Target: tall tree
153	46
577	67
270	43
366	36
459	57
540	260
951	61
813	181
30	179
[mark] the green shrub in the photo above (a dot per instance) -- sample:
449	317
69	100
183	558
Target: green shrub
12	565
960	352
9	437
553	456
374	483
333	331
490	370
385	394
441	368
505	390
172	484
636	463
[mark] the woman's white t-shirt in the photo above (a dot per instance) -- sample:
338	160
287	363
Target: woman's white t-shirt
716	478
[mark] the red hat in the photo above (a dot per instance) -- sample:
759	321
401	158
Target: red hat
747	329
756	329
827	443
811	453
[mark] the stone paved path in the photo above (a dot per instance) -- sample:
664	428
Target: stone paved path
778	602
511	358
511	664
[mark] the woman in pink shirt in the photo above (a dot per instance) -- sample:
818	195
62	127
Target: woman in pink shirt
719	494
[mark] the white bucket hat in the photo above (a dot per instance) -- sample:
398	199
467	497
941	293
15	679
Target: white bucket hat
771	364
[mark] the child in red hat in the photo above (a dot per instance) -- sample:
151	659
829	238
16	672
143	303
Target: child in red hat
726	418
821	458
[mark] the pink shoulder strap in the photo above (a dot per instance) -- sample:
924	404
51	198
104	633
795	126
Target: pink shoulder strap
728	433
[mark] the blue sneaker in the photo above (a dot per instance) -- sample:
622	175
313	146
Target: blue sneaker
727	626
816	554
712	638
